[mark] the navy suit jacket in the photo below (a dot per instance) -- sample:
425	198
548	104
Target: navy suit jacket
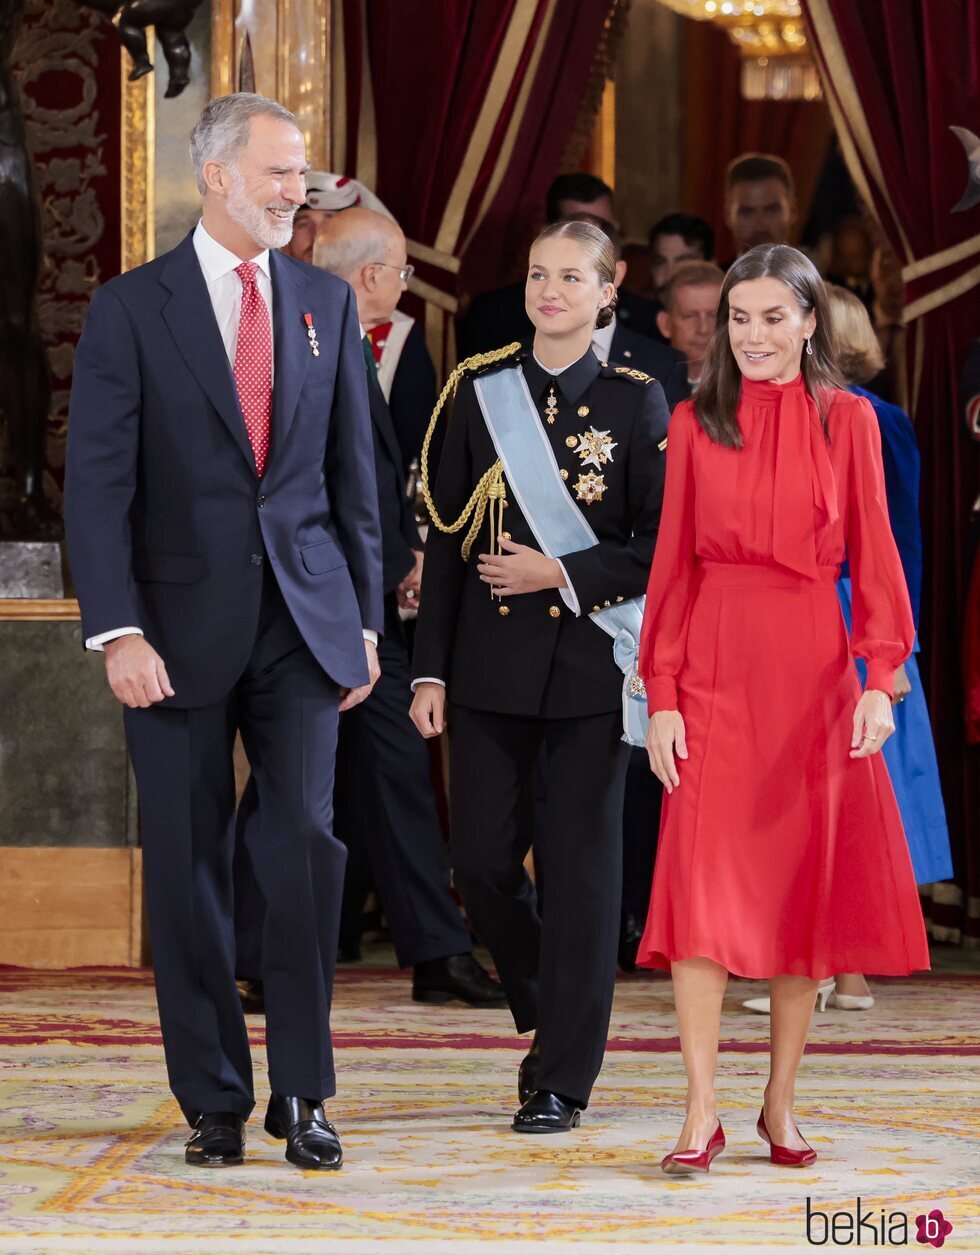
654	358
169	527
399	530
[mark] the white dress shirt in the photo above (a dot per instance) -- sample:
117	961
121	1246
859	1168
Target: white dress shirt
218	265
602	338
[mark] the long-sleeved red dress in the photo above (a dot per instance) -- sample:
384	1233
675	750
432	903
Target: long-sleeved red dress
778	853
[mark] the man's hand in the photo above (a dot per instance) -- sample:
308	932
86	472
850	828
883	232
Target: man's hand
520	569
353	697
428	711
408	591
135	671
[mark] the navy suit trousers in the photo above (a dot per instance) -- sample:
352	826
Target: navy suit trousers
286	709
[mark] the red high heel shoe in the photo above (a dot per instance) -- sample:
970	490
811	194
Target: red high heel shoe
681	1162
782	1155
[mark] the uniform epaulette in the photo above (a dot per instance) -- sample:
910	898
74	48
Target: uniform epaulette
629	373
480	363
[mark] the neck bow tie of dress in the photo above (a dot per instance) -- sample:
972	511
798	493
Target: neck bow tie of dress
253	365
804	477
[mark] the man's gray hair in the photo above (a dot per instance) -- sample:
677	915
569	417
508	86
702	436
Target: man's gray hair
347	254
223	128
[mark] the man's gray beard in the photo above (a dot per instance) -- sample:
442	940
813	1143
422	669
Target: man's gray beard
251	217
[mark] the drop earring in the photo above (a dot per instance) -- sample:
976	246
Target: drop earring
809	347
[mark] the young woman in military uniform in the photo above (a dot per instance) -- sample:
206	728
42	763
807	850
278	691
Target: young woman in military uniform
552	471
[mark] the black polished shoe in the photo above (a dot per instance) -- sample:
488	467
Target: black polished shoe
527	1073
630	936
218	1141
461	977
310	1141
252	995
545	1112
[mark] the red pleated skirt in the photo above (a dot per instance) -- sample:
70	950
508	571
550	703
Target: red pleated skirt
778	853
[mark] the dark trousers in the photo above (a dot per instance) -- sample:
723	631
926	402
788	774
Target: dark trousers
286	709
559	968
385	811
641	823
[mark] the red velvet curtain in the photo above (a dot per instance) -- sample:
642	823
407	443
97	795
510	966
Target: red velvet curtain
457	113
718	125
898	76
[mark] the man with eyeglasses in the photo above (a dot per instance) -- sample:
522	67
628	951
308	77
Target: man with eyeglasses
383	798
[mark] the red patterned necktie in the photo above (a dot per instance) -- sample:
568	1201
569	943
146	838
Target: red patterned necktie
253	364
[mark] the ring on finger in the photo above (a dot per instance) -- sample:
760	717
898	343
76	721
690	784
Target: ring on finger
869	737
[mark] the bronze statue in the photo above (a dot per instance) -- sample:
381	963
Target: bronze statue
170	18
25	387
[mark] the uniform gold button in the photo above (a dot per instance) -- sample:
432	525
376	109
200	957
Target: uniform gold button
596	609
627	353
583	411
505	535
571	441
603	365
607	604
554	611
619	599
504	610
564	473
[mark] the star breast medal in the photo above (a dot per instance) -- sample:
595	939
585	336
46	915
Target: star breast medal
594	449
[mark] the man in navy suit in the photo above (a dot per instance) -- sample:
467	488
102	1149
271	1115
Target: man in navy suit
223	532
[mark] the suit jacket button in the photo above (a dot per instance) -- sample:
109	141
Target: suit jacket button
554	611
256	559
504	610
261	501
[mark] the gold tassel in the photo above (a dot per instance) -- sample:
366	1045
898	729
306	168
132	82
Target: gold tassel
490	489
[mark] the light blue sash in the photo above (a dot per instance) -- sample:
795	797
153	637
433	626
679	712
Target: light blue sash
559	526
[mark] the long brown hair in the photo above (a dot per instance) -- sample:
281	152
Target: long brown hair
716	398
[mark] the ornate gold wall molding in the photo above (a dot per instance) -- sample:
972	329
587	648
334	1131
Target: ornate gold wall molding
291	48
138	163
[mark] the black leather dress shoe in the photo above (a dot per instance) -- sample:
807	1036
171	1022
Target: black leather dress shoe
545	1112
252	994
218	1141
458	977
310	1141
527	1073
630	936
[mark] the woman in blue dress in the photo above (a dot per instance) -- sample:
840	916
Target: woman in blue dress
910	754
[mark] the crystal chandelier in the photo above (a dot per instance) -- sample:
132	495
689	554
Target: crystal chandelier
771	39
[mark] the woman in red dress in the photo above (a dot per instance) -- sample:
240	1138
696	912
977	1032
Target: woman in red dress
781	850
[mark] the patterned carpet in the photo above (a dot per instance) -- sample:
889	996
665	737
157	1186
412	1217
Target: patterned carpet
91	1144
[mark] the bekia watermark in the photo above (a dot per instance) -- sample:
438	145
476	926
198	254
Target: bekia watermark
864	1226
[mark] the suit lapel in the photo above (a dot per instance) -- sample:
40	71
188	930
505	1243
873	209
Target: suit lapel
189	316
381	417
293	353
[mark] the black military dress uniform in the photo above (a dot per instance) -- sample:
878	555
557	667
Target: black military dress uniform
527	672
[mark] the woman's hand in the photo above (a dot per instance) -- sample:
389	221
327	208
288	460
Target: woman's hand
665	737
428	710
519	570
873	723
902	685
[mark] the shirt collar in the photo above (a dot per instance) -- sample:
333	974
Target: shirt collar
217	261
572	381
602	339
